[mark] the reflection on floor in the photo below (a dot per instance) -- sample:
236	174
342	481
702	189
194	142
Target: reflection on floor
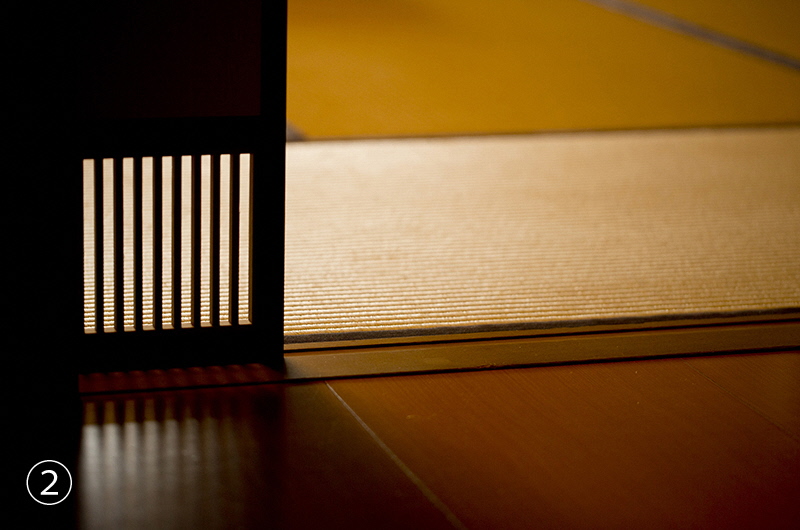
669	443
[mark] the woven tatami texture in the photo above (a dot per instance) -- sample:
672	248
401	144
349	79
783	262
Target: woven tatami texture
412	236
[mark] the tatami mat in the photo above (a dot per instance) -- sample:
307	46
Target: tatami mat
430	67
412	236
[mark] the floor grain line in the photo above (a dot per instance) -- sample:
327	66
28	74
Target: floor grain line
743	401
430	495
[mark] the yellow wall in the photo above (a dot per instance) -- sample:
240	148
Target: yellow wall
429	67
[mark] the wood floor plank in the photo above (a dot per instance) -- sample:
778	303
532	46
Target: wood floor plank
252	457
617	445
767	382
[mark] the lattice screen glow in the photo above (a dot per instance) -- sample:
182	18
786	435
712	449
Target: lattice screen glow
167	243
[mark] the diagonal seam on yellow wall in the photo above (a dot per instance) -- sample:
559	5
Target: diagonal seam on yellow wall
670	22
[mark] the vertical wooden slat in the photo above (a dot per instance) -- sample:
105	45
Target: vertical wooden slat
148	245
206	231
128	246
203	224
225	240
187	243
109	276
167	242
245	235
89	243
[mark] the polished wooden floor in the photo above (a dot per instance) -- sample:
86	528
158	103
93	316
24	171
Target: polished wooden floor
709	442
690	442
